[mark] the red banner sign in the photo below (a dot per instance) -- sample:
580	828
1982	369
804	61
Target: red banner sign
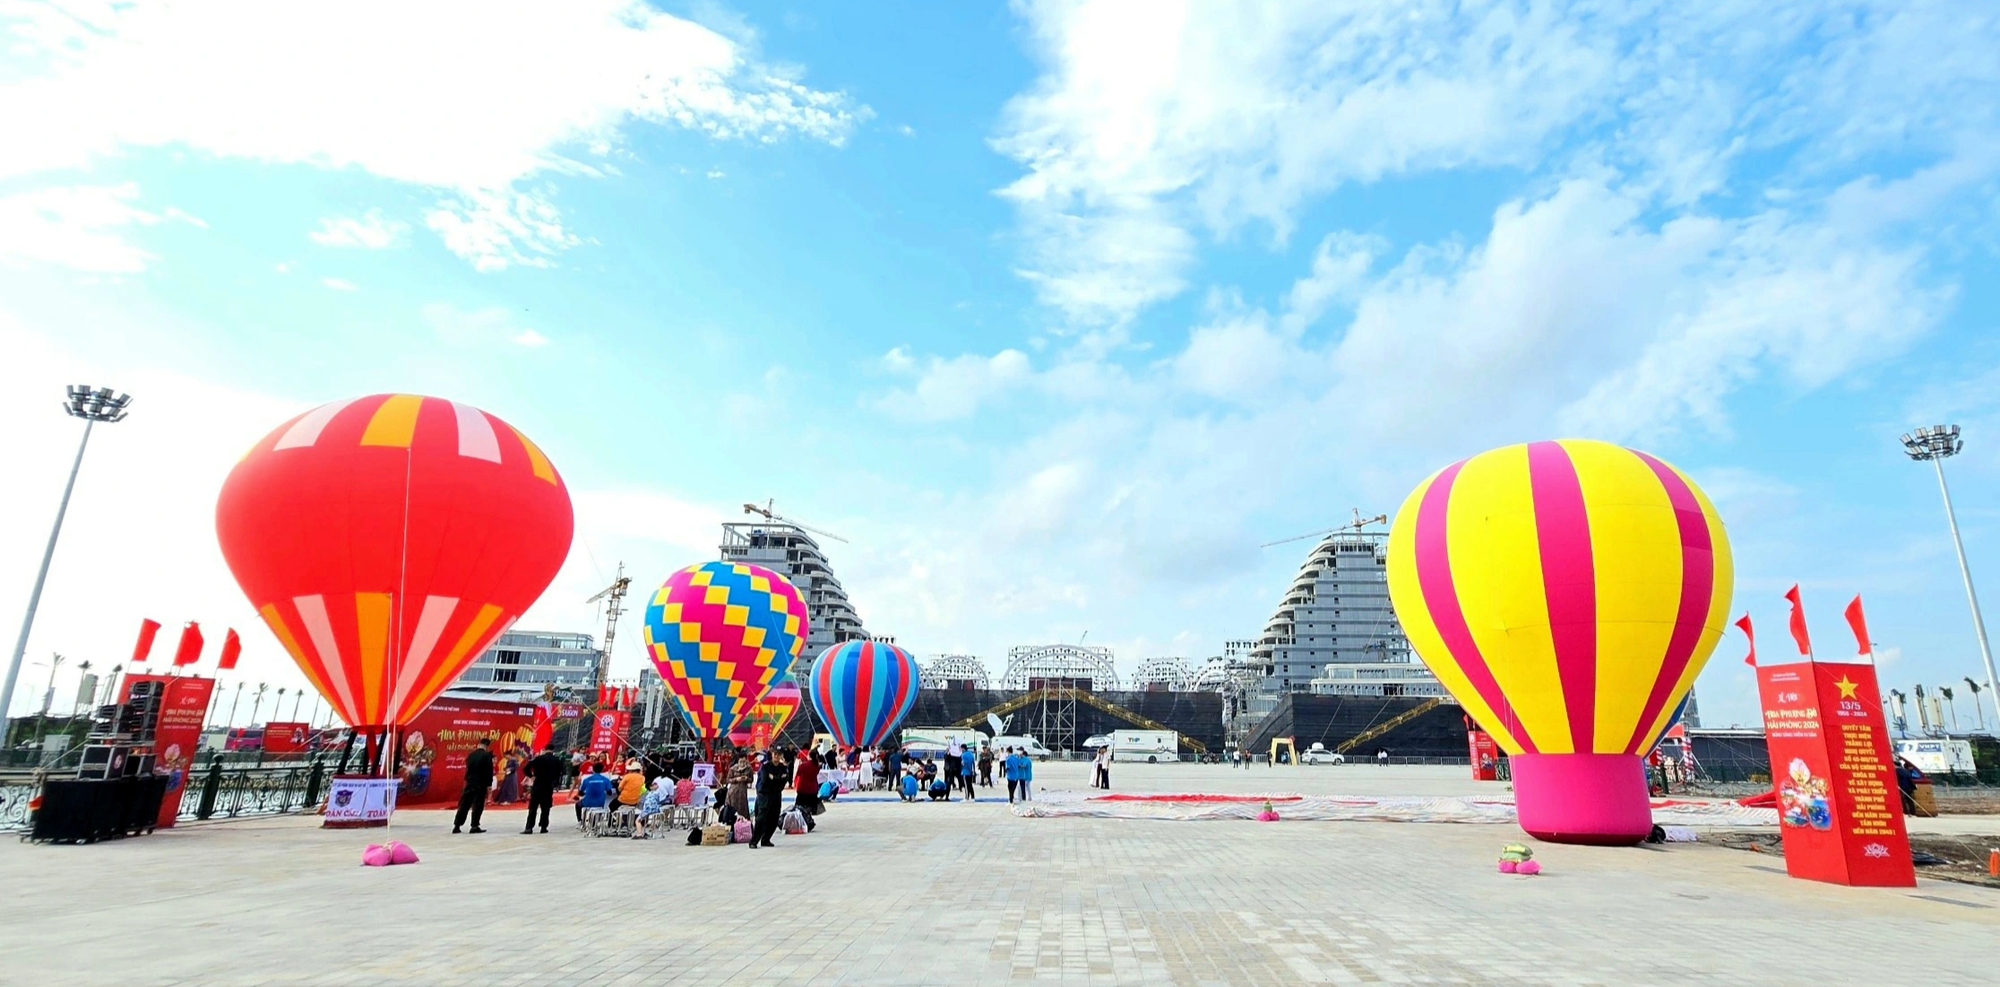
436	742
183	709
286	738
1838	805
1485	755
608	734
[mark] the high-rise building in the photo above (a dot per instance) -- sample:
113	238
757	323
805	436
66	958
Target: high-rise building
791	552
1335	632
521	663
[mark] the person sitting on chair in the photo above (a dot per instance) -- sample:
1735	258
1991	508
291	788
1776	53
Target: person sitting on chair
596	790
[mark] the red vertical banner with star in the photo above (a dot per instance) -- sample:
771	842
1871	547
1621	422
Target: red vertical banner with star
1838	807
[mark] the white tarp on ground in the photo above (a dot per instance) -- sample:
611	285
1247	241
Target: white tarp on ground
1355	808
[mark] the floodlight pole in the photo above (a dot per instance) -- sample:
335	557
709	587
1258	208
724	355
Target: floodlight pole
1936	443
93	406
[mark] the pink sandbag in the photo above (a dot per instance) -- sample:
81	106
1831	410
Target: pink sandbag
377	855
400	853
743	831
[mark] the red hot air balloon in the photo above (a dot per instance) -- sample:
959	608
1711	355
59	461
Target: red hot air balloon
388	540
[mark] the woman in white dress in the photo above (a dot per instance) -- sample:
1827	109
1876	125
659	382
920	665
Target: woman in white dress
866	771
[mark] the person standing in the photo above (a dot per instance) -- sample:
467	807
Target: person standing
954	757
1102	778
478	781
805	793
986	765
737	795
771	779
971	766
1020	770
544	771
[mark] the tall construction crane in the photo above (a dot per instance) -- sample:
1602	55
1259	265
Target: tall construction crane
774	516
1358	524
614	607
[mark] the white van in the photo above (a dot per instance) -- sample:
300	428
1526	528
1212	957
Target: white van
1028	745
937	740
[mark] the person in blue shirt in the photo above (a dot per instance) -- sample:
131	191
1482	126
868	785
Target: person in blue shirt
1020	770
595	792
970	764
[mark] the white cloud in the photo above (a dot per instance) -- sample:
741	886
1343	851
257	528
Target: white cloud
1154	122
497	230
1155	118
953	388
530	338
368	232
340	284
469	98
717	173
79	227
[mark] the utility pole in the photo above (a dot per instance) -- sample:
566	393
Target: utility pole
93	406
1935	444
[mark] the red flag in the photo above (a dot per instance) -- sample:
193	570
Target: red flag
1799	622
545	726
189	650
1751	658
631	697
147	628
1857	620
232	647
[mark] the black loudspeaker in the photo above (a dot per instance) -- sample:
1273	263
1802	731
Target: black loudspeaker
102	761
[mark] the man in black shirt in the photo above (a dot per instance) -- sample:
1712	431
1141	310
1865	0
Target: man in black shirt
772	780
545	771
478	780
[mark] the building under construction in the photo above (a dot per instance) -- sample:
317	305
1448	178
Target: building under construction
789	549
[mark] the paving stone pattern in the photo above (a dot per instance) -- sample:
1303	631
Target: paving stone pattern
932	894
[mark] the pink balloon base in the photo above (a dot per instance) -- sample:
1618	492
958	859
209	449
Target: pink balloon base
1596	799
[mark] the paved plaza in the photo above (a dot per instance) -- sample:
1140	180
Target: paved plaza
932	894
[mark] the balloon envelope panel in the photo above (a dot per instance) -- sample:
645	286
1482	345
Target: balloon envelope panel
862	690
777	708
1567	593
387	540
720	633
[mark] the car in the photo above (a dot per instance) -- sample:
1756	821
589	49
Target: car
1320	755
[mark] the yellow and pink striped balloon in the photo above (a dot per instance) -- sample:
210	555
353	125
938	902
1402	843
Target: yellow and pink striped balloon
1567	593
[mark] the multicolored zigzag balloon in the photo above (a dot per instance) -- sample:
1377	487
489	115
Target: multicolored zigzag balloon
720	634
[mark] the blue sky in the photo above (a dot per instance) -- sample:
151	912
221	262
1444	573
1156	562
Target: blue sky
1055	311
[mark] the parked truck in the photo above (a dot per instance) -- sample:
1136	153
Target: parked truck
1150	746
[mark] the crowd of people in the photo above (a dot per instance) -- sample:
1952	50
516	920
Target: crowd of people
649	784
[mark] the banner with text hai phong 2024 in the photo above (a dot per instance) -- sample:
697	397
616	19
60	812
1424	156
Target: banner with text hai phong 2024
1838	807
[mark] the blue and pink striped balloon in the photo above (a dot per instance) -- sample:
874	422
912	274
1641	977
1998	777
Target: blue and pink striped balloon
862	690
